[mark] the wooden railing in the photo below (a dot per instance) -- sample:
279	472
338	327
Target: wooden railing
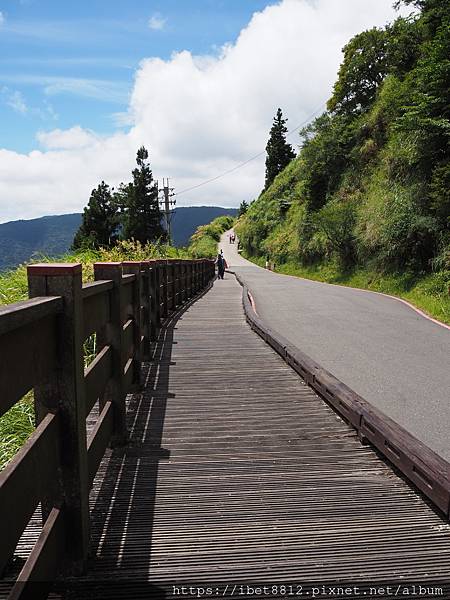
41	348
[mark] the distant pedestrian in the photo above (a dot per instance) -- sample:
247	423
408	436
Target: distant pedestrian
268	262
220	261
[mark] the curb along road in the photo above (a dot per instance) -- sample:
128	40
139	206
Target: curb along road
419	464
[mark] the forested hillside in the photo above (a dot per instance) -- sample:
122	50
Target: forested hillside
367	199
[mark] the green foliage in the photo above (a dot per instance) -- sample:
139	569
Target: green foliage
426	118
368	58
203	243
243	208
440	193
279	152
407	237
369	190
336	221
16	425
363	69
133	210
265	213
100	220
325	152
141	216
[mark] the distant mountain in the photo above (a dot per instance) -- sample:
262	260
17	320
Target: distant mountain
53	235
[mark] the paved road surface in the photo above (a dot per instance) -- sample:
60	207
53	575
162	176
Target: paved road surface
384	350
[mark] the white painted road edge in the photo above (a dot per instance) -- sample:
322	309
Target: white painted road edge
414	308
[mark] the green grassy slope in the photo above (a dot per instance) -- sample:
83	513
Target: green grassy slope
203	243
366	202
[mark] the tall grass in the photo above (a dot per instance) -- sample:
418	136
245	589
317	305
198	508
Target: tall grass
15	428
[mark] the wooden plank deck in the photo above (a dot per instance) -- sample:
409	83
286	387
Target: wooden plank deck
237	471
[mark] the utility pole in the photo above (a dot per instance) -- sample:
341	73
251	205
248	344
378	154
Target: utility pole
165	200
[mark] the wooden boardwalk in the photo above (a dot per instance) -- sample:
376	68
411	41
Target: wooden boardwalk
237	471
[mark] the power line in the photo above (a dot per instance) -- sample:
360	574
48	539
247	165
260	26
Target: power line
239	166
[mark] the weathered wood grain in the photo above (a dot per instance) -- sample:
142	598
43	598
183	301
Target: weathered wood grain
237	471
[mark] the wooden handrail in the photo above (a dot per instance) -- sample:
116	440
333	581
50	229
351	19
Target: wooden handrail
124	308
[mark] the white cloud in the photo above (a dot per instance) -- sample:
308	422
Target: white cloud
2	18
157	22
17	102
199	116
66	139
98	89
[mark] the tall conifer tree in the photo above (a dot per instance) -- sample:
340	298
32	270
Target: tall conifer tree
279	152
99	222
141	214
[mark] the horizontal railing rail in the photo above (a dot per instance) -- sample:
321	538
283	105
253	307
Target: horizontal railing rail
41	345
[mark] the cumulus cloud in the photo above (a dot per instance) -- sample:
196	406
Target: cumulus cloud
157	22
199	116
66	139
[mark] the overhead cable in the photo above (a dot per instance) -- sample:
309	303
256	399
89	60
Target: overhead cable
240	165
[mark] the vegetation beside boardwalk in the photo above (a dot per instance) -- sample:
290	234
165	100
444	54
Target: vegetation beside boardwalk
204	241
366	202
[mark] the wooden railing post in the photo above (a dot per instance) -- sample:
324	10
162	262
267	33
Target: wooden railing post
115	391
164	274
183	281
65	393
176	283
199	275
187	273
179	270
194	277
134	268
146	302
155	300
173	285
189	285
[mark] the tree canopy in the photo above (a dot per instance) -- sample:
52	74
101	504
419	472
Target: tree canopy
139	201
371	183
279	152
99	226
132	212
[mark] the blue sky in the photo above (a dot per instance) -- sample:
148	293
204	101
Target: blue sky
84	84
73	63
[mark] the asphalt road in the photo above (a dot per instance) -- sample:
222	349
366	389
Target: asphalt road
384	350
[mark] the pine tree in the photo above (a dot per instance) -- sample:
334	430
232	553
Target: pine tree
242	208
279	152
99	222
141	214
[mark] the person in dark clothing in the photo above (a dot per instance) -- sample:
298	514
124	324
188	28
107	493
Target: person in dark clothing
220	265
